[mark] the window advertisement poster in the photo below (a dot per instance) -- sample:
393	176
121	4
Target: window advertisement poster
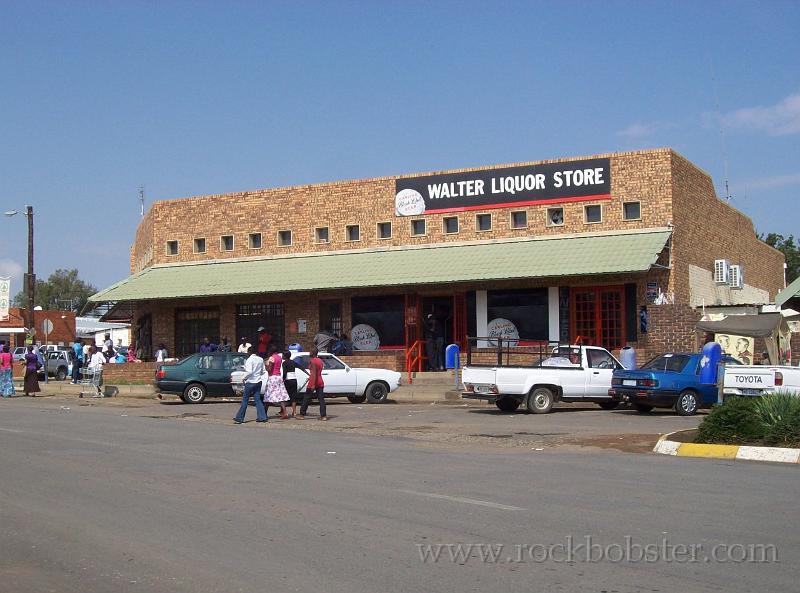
739	347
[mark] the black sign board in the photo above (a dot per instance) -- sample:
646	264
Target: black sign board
497	188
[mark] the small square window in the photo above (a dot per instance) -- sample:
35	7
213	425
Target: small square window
321	234
384	230
418	227
172	248
555	216
450	224
519	220
226	242
284	238
593	214
483	222
199	245
353	232
632	210
255	240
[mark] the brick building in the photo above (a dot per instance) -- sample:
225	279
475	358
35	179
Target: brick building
547	250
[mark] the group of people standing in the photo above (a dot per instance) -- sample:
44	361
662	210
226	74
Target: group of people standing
272	379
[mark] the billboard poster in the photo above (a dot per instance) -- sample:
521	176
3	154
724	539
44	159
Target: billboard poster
509	186
740	347
5	295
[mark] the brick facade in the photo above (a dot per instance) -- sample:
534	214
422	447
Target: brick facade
672	193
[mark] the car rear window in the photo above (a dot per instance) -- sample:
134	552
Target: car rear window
668	362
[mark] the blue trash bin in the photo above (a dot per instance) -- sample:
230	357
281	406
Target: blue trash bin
451	356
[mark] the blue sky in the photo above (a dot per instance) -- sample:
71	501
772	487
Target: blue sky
185	98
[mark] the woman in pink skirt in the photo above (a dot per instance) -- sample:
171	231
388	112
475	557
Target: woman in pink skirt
274	390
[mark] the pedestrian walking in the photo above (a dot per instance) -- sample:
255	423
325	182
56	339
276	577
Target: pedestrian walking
77	362
315	387
254	372
32	366
6	373
273	388
290	370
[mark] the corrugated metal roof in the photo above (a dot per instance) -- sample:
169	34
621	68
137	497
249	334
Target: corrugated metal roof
575	255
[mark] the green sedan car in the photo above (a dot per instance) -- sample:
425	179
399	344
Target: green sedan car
201	375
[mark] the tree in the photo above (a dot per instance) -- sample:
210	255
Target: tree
62	290
790	251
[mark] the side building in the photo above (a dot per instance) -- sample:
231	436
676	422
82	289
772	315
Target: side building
616	249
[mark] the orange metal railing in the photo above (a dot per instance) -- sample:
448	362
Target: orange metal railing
415	356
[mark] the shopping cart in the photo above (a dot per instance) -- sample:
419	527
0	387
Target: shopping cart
93	378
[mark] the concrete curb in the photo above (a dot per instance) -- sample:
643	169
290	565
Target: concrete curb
665	446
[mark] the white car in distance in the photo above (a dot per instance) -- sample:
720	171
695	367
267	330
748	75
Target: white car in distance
357	384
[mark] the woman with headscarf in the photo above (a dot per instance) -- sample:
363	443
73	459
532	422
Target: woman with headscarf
32	365
274	390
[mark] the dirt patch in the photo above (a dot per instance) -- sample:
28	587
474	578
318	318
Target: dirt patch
628	443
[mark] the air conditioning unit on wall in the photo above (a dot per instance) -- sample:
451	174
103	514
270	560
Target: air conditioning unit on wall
722	271
735	277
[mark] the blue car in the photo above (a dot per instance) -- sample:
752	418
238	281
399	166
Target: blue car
668	381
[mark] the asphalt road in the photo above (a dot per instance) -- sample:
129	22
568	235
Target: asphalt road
106	498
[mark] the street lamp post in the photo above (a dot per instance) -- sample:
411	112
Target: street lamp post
31	279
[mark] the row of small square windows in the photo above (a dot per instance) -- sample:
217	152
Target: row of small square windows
592	214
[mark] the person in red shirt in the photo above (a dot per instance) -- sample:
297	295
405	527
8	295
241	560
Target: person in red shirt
315	387
263	341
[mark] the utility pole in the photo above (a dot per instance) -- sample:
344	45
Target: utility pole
31	278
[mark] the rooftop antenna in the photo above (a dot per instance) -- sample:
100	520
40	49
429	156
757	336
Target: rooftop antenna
141	198
721	129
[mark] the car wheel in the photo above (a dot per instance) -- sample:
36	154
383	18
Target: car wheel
183	398
643	408
61	374
507	404
194	393
540	401
356	399
686	404
608	405
377	392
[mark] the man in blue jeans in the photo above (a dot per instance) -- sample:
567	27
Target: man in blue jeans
77	363
254	372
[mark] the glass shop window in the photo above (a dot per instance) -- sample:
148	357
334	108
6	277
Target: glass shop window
384	314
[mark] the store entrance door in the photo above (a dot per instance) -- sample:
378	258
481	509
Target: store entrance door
598	315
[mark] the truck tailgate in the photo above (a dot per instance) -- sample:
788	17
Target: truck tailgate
479	375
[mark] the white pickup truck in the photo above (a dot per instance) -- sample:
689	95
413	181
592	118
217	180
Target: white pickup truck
563	373
760	380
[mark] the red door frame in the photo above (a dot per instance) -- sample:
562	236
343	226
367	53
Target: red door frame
597	338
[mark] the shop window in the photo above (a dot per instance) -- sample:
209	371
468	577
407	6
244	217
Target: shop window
519	220
483	222
284	238
321	234
593	214
632	210
353	232
418	227
255	240
172	248
330	315
525	311
268	315
555	216
192	325
598	315
384	315
450	224
226	243
200	245
384	230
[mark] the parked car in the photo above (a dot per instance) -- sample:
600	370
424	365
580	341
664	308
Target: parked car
201	375
357	384
58	363
671	380
761	380
573	373
19	353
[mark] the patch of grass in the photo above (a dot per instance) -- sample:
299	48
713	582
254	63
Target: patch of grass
772	420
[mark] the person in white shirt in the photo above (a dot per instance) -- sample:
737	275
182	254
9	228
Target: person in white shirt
97	359
161	353
243	346
254	373
87	354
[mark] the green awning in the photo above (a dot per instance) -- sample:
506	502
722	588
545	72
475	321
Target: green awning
580	255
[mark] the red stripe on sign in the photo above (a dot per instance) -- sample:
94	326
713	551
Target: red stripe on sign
523	203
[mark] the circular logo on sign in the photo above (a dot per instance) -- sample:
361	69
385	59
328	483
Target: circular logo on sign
502	328
364	337
408	202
